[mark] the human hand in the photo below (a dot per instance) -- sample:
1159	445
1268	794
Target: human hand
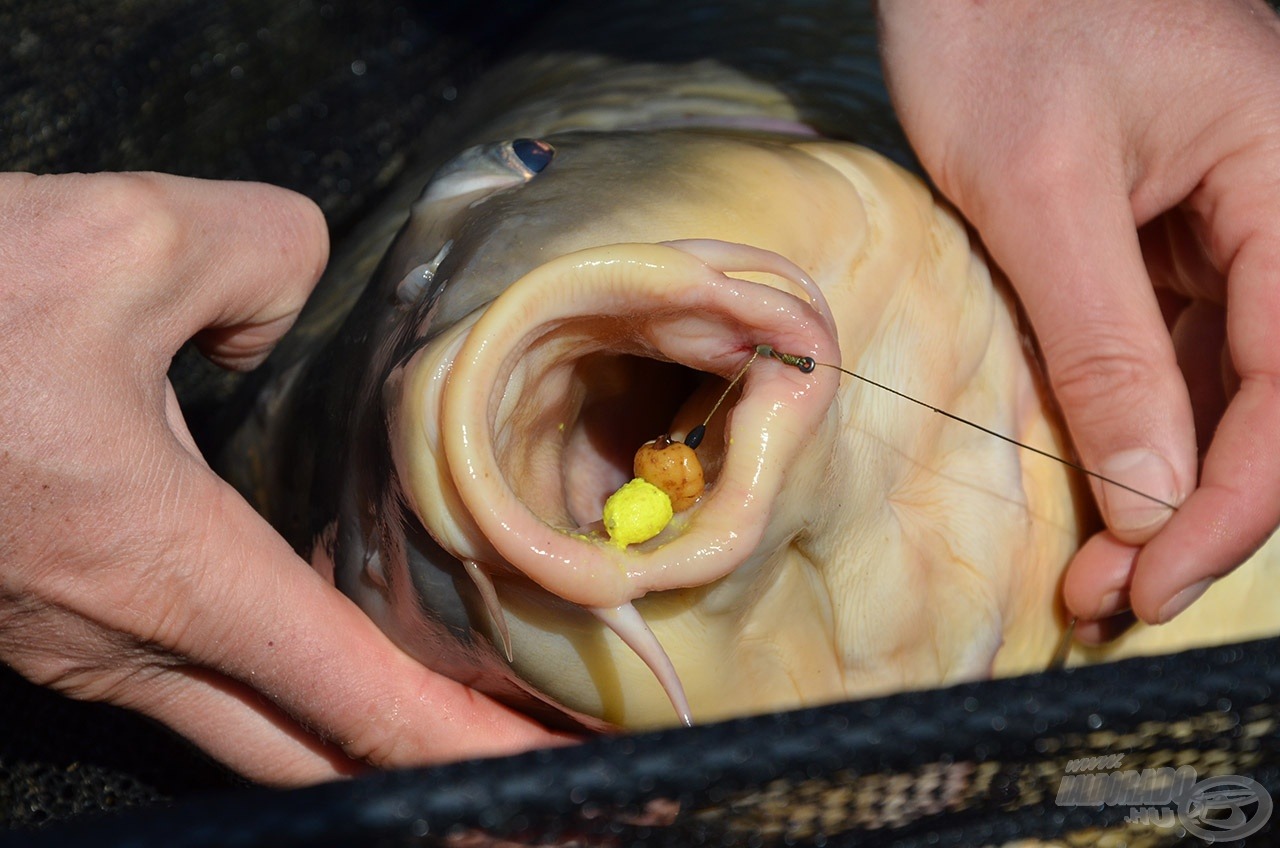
1122	164
129	572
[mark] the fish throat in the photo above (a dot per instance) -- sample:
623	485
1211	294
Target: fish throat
568	451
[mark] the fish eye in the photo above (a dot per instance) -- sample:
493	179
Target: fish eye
535	154
487	169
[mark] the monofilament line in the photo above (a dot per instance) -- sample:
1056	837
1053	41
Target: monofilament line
695	436
806	363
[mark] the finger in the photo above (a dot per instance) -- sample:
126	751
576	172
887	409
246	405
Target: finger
1237	506
245	310
1176	259
1104	630
1199	339
1070	247
1096	586
1192	294
1226	519
260	615
211	711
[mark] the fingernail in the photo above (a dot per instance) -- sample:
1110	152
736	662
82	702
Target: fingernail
1183	599
1113	603
1145	471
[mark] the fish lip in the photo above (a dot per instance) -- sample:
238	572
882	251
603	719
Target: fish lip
710	322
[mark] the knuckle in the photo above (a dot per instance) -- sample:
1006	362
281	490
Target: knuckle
383	732
1050	164
87	237
383	741
1101	371
119	217
1045	168
131	216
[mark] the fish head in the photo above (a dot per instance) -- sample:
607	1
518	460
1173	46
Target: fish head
552	305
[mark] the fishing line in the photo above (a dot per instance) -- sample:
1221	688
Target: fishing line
807	364
696	435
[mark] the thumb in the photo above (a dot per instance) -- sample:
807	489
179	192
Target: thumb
1071	249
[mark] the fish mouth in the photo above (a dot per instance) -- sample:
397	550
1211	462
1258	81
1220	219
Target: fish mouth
531	416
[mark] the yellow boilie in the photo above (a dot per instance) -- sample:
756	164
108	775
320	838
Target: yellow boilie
668	479
636	513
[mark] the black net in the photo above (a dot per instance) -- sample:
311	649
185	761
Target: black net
976	764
